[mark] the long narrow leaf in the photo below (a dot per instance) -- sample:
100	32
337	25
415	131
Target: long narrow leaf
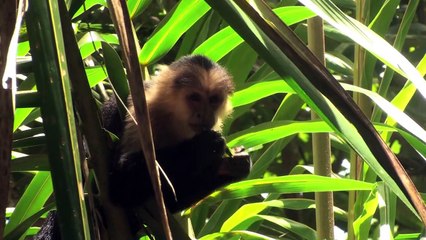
53	84
227	39
368	39
287	184
33	200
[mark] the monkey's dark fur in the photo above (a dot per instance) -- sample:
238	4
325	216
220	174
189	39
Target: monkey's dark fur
186	102
195	166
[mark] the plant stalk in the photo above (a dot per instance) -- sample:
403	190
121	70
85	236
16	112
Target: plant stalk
321	143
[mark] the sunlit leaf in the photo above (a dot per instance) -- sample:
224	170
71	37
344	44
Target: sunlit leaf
91	42
363	223
96	75
221	43
33	199
136	7
23	48
392	111
260	90
184	16
287	184
89	4
368	39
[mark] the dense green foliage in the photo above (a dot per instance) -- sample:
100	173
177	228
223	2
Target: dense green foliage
271	118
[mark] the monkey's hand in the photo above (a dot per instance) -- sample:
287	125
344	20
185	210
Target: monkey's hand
209	148
195	167
194	156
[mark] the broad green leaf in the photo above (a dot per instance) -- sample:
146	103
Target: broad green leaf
268	132
91	42
23	48
20	115
198	33
115	70
185	15
382	20
221	213
117	77
136	7
259	90
95	75
233	64
89	48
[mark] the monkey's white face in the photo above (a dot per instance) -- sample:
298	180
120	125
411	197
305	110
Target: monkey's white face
203	109
194	111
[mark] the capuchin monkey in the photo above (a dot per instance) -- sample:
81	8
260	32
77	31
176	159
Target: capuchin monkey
187	102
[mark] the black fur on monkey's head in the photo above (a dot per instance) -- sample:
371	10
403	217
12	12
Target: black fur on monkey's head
192	60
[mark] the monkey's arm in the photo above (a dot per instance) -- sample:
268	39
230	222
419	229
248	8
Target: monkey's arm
195	167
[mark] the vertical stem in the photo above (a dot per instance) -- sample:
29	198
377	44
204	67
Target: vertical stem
53	84
121	19
114	216
7	22
321	144
6	125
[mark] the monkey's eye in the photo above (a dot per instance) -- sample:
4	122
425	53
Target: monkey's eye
215	99
194	97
